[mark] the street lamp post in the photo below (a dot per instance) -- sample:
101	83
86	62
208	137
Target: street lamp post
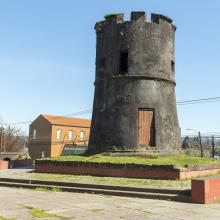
200	140
1	137
213	147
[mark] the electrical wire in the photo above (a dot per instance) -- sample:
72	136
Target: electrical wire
84	112
202	99
88	111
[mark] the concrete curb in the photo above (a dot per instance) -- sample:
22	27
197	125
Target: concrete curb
148	193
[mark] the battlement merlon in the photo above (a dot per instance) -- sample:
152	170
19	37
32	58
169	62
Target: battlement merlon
110	18
100	26
115	18
136	16
157	18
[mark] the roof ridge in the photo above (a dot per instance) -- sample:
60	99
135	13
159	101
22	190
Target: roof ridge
64	120
60	116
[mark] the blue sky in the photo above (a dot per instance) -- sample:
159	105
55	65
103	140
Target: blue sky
47	56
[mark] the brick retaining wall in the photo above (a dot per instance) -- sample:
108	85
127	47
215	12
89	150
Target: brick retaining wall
154	173
122	170
206	190
4	164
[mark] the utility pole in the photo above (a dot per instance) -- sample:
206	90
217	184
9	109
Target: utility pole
1	130
213	147
5	140
200	144
9	130
200	140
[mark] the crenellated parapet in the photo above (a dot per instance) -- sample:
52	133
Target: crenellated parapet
137	16
150	45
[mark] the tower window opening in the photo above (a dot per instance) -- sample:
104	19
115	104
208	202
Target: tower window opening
173	66
102	62
123	62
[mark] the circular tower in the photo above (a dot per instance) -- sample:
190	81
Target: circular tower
134	101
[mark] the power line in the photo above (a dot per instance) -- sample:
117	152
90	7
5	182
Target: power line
80	113
202	99
84	112
18	123
88	111
197	101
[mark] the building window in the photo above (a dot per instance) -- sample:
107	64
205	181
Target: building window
123	62
70	135
34	133
43	154
82	135
59	133
173	66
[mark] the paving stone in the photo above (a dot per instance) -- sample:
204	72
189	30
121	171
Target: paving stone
95	207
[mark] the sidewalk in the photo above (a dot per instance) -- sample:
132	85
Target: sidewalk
19	173
62	205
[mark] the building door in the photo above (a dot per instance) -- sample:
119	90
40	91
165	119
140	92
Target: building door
146	127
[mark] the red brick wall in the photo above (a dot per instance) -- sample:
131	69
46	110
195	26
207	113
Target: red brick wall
152	172
206	190
113	172
188	174
4	164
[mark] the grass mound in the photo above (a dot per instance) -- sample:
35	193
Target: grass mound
177	161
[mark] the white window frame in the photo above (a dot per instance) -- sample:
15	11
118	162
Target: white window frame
34	133
70	135
82	135
43	154
58	133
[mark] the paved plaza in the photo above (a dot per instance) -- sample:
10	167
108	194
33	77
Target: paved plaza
23	173
16	203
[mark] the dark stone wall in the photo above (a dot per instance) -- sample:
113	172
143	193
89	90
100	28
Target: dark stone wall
149	83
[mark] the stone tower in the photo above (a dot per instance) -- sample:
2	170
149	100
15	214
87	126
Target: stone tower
134	102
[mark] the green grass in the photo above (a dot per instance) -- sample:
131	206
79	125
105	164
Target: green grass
45	189
96	210
4	218
153	183
37	213
177	161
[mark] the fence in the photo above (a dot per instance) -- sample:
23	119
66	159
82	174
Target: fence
205	145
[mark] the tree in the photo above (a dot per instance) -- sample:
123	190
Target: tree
186	143
190	142
12	139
